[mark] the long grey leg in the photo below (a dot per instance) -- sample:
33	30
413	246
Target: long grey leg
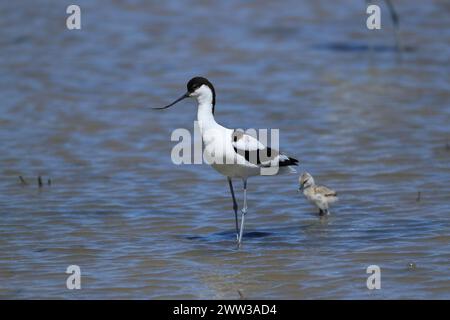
243	212
235	207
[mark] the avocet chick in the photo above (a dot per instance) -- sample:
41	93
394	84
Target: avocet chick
321	196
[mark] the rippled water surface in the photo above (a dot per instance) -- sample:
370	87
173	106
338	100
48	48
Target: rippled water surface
364	119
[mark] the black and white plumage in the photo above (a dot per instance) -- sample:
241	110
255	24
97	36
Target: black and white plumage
232	153
258	154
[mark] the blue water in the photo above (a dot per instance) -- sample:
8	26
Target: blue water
366	119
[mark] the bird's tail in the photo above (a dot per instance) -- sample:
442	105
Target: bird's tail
287	164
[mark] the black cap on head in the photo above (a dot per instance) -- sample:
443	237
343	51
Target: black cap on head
197	82
193	85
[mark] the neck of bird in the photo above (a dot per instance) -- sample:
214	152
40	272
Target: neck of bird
205	115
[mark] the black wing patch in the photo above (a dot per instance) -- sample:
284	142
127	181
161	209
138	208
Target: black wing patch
261	156
264	156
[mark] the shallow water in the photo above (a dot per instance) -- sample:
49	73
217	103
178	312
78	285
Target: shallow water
362	118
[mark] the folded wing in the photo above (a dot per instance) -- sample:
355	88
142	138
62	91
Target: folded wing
257	153
327	192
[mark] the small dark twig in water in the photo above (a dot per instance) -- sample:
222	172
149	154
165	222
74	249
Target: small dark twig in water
40	184
418	196
22	180
241	294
